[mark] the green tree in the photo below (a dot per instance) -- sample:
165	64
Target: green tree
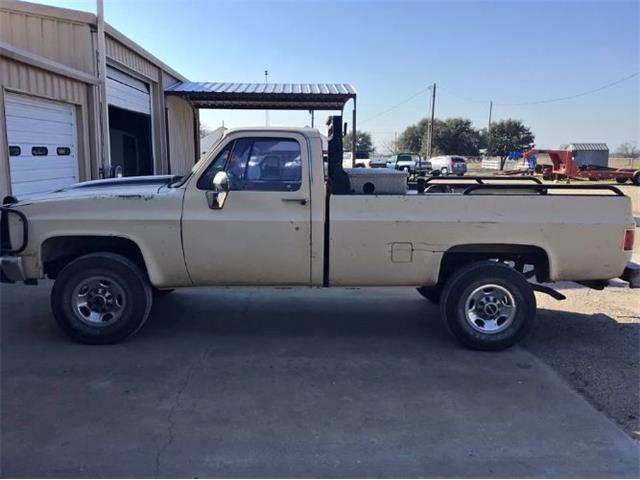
508	136
453	136
364	143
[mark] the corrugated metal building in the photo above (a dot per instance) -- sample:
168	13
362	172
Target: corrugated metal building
50	103
590	154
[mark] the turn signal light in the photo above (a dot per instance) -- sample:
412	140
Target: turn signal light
627	243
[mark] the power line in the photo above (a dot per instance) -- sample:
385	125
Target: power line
533	102
462	97
569	97
548	100
407	100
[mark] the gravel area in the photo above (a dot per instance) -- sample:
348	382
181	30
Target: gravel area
592	340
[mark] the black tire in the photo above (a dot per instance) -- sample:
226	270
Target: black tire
459	289
433	294
157	293
622	180
122	287
636	178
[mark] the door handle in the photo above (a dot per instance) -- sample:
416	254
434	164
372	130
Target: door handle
301	201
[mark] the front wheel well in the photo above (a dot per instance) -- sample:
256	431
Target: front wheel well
518	256
58	252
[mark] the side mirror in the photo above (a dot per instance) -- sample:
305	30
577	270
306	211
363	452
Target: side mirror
217	196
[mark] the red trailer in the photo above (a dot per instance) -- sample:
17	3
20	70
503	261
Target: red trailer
565	167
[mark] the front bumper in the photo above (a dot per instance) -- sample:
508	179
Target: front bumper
632	275
11	269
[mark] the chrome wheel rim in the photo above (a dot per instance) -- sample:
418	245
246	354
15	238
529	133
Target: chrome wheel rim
490	309
98	301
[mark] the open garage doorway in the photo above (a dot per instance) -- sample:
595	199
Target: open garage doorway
130	141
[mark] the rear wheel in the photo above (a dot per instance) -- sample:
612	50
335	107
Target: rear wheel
444	171
488	306
101	298
621	180
636	178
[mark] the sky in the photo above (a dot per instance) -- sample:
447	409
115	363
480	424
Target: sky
475	51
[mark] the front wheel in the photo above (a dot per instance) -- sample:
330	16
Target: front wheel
488	306
101	298
636	178
621	180
432	294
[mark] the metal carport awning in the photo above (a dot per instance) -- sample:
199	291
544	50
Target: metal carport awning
269	96
265	96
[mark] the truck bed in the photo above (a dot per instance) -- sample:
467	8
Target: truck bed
405	236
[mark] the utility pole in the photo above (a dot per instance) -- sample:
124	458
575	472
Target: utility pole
490	112
433	115
105	148
266	112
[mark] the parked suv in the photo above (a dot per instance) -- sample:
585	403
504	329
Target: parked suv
449	165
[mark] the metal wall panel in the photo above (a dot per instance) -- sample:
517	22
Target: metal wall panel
130	59
66	42
182	150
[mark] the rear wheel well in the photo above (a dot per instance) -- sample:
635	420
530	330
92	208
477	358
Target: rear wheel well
524	258
58	252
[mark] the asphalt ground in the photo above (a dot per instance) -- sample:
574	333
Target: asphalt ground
292	383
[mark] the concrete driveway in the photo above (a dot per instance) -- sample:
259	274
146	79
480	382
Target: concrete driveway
288	383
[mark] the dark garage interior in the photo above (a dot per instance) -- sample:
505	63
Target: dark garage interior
130	140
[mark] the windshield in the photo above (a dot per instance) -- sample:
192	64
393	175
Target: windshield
205	158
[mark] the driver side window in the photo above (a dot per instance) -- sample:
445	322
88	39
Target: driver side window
258	164
205	182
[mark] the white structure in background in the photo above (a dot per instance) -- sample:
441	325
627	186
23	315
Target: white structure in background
209	141
493	163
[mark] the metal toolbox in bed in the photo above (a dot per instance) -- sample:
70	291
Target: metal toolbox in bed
377	181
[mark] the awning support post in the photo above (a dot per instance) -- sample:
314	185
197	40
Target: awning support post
354	137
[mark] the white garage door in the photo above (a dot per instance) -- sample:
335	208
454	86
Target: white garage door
42	144
126	92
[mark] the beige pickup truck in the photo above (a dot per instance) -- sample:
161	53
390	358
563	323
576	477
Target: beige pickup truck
267	208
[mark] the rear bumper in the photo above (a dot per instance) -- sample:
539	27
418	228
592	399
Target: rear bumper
11	269
631	274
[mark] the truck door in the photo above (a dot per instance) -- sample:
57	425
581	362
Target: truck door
262	234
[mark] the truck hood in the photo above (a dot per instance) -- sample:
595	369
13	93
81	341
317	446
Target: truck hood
128	187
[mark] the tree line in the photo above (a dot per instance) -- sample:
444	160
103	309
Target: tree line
456	136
